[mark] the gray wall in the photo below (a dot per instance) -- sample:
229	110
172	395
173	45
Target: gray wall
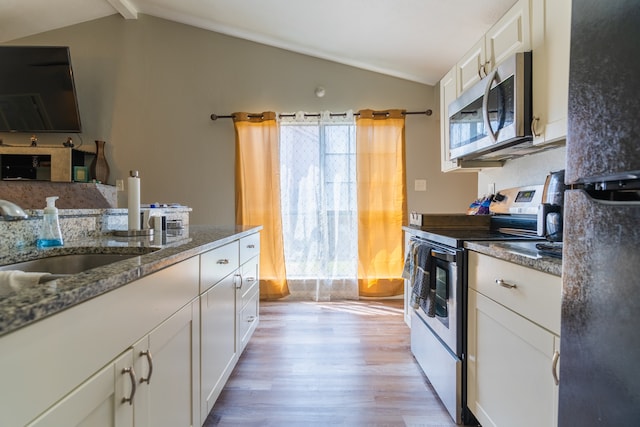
148	86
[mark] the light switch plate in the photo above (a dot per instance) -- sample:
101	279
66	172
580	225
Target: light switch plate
420	185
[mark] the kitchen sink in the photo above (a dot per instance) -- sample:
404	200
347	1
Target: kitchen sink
67	264
56	266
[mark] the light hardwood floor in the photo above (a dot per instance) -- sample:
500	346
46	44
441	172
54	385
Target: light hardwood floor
329	364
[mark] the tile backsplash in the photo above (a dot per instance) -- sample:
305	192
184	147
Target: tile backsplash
528	170
74	224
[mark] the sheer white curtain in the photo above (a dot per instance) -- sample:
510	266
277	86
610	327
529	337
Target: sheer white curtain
318	197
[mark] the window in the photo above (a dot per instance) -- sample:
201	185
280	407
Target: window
312	184
318	197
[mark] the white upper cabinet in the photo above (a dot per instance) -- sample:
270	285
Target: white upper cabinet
471	68
448	93
542	26
509	35
551	32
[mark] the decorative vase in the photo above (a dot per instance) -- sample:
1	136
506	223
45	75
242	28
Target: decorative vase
99	168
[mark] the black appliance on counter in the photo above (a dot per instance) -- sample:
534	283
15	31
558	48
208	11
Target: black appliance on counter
439	325
600	329
551	210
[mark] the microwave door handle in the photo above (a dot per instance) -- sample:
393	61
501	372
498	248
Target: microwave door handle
485	106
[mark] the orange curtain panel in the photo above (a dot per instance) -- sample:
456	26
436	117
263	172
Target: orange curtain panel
258	194
382	205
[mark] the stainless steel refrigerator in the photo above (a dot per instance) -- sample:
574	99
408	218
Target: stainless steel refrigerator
600	333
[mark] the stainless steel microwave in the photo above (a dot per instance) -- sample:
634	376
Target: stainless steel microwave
495	114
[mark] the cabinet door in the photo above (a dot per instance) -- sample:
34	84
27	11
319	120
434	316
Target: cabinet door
218	339
509	35
551	24
98	402
448	94
509	367
247	301
248	317
166	361
471	67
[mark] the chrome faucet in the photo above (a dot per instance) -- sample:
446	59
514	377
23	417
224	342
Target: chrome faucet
10	211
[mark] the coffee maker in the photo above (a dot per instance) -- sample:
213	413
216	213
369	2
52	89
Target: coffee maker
550	210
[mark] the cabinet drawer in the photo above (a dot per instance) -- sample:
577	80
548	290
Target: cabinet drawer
249	272
217	264
249	247
248	317
536	295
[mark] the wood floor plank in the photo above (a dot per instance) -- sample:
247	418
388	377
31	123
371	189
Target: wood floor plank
329	364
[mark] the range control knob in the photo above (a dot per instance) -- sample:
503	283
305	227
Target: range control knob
499	197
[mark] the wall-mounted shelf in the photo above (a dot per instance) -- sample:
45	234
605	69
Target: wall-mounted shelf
44	163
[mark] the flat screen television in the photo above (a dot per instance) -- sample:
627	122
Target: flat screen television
37	91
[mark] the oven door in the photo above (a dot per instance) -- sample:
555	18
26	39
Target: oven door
436	332
443	314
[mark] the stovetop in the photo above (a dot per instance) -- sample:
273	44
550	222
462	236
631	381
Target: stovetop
501	228
455	237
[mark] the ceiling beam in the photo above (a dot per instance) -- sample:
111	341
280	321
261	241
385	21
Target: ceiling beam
124	8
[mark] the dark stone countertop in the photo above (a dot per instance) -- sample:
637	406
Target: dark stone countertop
522	253
22	307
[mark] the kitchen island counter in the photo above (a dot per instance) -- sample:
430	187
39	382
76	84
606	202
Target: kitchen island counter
522	253
153	253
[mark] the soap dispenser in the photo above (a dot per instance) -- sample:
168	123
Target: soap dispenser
50	234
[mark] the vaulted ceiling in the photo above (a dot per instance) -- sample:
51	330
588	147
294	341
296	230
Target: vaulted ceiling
417	40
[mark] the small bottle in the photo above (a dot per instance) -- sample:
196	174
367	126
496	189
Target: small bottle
50	234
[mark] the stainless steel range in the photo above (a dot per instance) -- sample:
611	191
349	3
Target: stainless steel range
436	271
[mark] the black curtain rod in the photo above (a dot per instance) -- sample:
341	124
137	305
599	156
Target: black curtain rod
375	113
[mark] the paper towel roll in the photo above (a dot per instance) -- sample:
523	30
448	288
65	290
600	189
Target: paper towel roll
133	200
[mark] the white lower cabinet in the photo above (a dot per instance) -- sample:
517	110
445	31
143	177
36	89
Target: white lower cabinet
510	369
218	339
229	311
153	353
166	364
248	302
152	384
101	401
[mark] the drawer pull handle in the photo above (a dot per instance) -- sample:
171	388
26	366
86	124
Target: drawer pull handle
554	366
251	246
505	284
223	261
150	362
251	279
132	377
251	319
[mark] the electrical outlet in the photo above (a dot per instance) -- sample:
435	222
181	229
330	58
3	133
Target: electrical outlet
119	184
491	188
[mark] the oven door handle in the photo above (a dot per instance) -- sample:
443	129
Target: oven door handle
446	256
